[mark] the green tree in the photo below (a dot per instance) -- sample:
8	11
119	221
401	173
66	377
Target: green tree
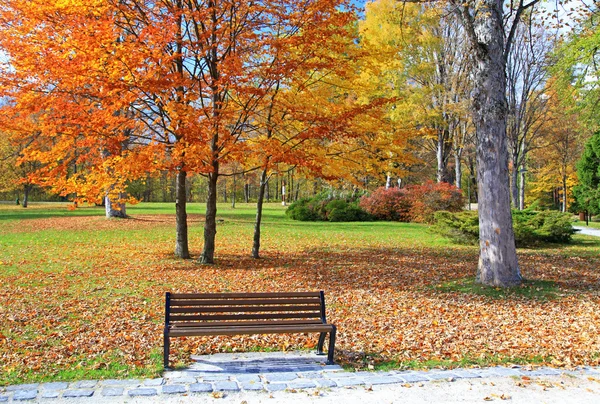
587	193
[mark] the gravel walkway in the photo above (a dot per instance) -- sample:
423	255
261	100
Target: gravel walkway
262	375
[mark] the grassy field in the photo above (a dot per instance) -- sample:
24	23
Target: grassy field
83	296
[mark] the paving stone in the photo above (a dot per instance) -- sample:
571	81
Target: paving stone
543	372
332	368
465	374
117	382
201	388
78	393
22	395
112	391
438	375
154	382
382	380
325	383
3	399
20	387
346	381
84	384
175	374
311	375
275	386
280	377
247	378
252	386
501	371
55	386
215	378
50	394
142	392
183	380
342	374
226	386
173	389
302	384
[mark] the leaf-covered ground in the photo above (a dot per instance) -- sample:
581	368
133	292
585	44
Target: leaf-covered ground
83	296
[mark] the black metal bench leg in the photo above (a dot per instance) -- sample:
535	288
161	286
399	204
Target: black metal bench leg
321	343
166	350
331	347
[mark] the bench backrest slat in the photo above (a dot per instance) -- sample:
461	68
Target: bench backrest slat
244	308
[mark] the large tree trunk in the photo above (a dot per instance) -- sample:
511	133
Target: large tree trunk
498	264
259	207
114	209
458	169
210	223
181	242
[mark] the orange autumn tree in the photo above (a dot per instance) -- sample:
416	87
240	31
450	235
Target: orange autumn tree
173	84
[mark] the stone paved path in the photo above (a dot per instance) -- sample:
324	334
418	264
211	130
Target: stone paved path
254	372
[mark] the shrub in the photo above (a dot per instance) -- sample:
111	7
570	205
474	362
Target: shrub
321	208
430	197
386	204
530	227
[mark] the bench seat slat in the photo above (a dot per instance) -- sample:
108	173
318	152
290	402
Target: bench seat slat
259	316
242	302
251	309
250	323
175	296
189	331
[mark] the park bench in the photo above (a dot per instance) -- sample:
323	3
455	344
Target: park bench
200	314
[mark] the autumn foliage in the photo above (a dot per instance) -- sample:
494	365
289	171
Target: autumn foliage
415	203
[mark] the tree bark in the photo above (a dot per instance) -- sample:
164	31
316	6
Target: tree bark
498	264
522	189
457	170
26	190
259	208
114	209
181	241
514	186
210	223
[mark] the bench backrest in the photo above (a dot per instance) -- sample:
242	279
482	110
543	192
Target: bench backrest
239	309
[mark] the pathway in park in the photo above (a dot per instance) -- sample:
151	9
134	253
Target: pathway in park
303	377
588	231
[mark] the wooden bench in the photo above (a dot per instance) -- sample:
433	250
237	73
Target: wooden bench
198	314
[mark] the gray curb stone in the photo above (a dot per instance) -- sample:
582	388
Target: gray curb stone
382	380
116	382
31	386
112	391
326	383
22	395
3	399
411	377
201	388
84	384
142	392
173	389
348	381
51	394
226	386
55	386
280	377
252	386
302	384
154	382
276	386
78	393
183	380
247	378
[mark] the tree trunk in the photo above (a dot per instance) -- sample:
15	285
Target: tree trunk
457	170
225	190
210	223
114	209
564	192
26	190
514	186
181	241
246	191
498	264
233	193
522	189
388	181
259	207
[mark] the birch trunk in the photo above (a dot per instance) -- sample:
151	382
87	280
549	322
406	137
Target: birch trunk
114	209
498	264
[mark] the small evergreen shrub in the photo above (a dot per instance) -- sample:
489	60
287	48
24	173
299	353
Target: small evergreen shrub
322	208
530	227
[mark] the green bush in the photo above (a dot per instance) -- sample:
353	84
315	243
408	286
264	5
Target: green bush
321	208
530	227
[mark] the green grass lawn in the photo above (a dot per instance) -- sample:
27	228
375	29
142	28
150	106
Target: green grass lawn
83	296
